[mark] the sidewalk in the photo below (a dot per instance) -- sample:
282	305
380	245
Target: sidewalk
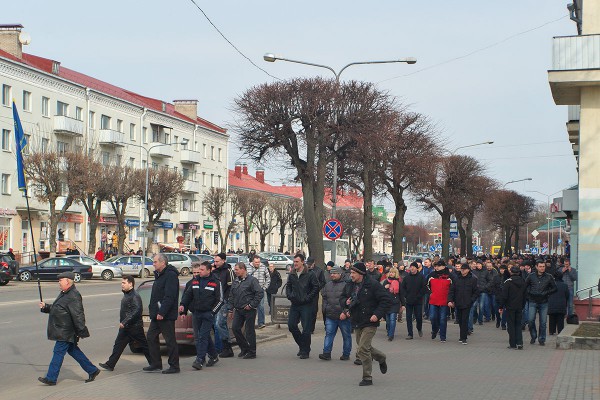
418	369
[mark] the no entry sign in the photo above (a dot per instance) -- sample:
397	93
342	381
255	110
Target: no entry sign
332	229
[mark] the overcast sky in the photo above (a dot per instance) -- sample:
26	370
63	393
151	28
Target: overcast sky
481	72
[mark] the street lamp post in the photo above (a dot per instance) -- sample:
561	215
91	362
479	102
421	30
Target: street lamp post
472	145
519	180
269	57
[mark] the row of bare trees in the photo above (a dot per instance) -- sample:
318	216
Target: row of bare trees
83	178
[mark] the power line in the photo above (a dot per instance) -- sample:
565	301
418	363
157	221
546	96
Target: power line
476	51
230	43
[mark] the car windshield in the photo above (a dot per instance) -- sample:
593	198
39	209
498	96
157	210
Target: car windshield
113	259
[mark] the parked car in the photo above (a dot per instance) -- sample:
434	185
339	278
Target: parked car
5	275
202	258
99	270
132	265
50	268
281	261
13	265
183	262
234	259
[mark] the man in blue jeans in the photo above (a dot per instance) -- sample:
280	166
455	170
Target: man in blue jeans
332	294
223	272
66	325
539	285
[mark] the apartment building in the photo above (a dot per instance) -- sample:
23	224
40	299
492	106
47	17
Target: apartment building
65	110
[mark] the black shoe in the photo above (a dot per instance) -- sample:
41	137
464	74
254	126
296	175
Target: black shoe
151	368
365	382
510	347
226	353
542	343
242	354
46	381
357	362
520	347
196	365
455	322
480	323
344	358
433	336
106	367
409	338
171	370
497	323
212	361
420	333
304	356
503	328
532	341
493	317
325	356
92	376
250	356
383	367
390	338
470	332
298	353
523	327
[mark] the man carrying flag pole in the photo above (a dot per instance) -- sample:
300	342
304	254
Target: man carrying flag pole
21	143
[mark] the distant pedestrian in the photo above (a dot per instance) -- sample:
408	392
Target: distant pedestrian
512	300
463	293
261	273
66	325
332	294
413	290
131	327
99	255
223	272
557	305
569	276
274	285
439	283
392	284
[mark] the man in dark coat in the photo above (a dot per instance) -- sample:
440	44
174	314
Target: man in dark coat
320	275
365	302
131	327
414	289
512	299
463	293
332	293
66	325
540	285
557	305
224	273
163	314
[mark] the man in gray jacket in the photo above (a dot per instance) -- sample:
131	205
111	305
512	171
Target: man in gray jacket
260	272
332	293
569	277
244	298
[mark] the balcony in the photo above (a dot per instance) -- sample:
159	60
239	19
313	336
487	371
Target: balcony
166	216
68	126
161	150
73	208
191	186
575	64
109	137
190	157
189	216
573	124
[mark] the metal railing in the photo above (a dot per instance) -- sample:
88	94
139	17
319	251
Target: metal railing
590	298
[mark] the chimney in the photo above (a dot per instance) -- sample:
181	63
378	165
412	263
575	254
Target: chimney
56	67
238	170
164	106
245	169
189	108
10	41
260	175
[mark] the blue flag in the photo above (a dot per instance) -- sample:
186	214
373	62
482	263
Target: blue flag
21	143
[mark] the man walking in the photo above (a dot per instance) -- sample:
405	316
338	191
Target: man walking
512	300
439	283
427	269
246	294
414	289
163	314
131	328
463	293
66	325
223	272
260	272
301	289
540	286
320	275
203	296
365	302
332	293
569	276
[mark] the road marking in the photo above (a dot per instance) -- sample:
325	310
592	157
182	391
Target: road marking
110	309
7	322
105	327
34	301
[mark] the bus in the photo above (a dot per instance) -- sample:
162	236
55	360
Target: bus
342	248
496	250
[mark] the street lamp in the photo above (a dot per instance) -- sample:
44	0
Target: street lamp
519	180
472	145
145	222
270	57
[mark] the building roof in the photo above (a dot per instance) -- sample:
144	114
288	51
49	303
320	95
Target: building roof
45	65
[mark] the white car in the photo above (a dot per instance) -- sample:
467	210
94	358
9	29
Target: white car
99	270
182	262
281	261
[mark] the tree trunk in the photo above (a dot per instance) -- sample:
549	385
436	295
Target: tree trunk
281	236
469	233
507	237
368	214
517	239
398	228
293	246
445	235
93	207
263	239
313	215
462	233
246	235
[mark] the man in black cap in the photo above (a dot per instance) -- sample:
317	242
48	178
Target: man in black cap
463	293
66	325
512	300
414	289
365	302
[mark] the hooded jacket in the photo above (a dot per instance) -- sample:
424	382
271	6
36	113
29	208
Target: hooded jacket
66	322
513	293
165	293
439	283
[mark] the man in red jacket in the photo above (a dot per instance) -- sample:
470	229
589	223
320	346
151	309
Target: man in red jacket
99	255
438	284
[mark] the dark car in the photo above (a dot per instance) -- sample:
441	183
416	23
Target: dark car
50	268
5	275
13	265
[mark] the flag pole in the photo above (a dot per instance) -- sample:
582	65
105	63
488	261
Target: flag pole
37	272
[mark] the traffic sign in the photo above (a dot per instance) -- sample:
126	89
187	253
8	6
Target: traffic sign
332	229
432	248
526	247
534	233
559	241
545	244
453	234
475	234
438	247
404	239
476	248
544	250
534	250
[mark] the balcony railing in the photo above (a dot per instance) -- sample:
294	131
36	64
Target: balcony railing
189	216
109	137
190	156
68	126
161	150
191	186
576	52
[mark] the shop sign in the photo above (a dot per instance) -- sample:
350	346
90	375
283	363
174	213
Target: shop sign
75	218
132	222
207	224
7	211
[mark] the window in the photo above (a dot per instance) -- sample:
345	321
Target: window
92	121
119	159
45	144
204	150
132	162
79	113
167	138
5	234
77	232
220	154
45	106
26	100
154	165
144	164
120	125
155	134
219	181
145	134
212	180
131	131
104	122
184	145
62	109
212	152
204	179
62	147
132	234
5	139
105	157
5	184
64	189
176	141
185	173
6	95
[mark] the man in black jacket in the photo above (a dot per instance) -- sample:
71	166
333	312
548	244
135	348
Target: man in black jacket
223	272
540	285
131	328
301	289
365	302
203	296
320	275
512	300
66	325
244	298
463	293
163	314
414	289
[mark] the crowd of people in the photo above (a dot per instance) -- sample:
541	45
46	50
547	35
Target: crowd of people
516	293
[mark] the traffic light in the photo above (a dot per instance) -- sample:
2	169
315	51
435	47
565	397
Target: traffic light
216	237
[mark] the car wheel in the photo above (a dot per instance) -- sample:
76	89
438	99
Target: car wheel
25	276
135	347
107	275
185	271
77	277
146	273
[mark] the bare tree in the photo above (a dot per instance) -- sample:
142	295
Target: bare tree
352	222
285	210
246	210
124	187
263	220
215	204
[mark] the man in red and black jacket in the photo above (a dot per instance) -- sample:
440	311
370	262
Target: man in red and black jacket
438	283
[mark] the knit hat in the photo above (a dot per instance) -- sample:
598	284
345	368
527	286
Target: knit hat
336	270
465	266
414	264
359	267
330	264
68	275
515	269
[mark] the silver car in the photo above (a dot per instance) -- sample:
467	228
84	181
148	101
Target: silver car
182	262
99	270
280	261
132	265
